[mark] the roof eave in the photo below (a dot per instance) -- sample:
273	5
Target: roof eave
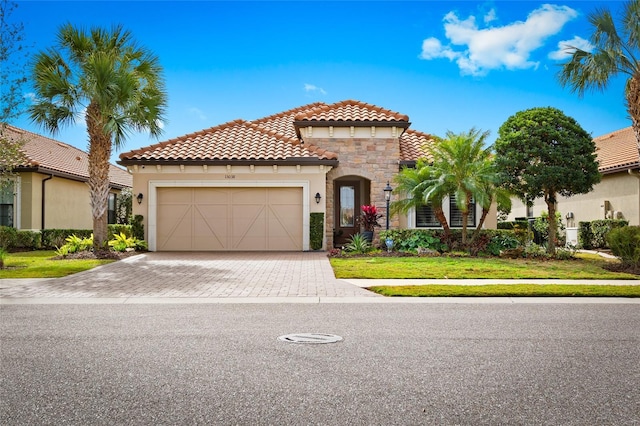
58	173
354	123
292	161
620	168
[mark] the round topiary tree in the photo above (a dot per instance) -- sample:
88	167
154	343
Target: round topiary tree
541	152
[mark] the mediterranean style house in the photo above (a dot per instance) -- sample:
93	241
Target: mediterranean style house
617	196
50	190
252	185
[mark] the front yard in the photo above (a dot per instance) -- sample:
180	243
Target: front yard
40	264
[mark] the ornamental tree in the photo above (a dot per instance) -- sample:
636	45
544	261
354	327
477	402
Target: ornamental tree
541	152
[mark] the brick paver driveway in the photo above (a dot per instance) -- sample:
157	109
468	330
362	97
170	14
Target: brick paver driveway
196	275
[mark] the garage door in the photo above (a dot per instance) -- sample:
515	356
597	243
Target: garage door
240	219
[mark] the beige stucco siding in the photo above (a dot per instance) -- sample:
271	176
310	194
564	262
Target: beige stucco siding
621	190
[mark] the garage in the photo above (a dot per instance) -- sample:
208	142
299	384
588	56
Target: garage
229	219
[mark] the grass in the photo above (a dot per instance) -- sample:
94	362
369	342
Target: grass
509	290
39	264
471	268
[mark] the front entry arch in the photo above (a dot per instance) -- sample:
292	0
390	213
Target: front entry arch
350	193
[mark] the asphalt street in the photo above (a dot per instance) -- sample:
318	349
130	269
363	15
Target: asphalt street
399	364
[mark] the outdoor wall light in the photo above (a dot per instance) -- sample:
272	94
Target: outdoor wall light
318	197
387	197
139	198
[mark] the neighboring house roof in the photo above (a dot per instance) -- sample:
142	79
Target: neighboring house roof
49	156
617	151
275	139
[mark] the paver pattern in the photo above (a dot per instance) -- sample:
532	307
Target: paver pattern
196	275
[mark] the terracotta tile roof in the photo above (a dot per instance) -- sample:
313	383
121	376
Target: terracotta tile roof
58	158
283	121
235	140
617	151
414	145
351	111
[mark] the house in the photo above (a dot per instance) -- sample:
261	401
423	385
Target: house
617	196
50	190
252	185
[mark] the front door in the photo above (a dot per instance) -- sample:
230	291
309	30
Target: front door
347	211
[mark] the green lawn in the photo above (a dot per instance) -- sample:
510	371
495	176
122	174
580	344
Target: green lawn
471	267
39	264
509	290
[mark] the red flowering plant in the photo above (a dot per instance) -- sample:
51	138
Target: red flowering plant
370	217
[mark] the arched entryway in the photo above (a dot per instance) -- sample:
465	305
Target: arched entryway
350	193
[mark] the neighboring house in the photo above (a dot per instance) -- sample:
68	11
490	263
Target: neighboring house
617	196
251	185
51	190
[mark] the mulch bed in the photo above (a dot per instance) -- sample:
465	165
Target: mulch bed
105	254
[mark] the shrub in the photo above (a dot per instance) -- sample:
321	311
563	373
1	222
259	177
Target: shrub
56	237
584	235
412	239
625	243
120	229
357	244
3	257
28	240
75	244
8	237
502	242
316	230
541	225
535	251
600	229
137	228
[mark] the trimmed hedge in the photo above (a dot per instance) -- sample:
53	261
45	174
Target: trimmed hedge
593	235
433	239
316	230
625	243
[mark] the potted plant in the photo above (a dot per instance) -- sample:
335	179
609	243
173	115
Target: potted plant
370	218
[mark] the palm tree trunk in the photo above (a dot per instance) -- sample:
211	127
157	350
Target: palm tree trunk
439	213
485	212
550	199
99	154
633	105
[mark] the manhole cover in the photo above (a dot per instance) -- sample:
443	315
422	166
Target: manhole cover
313	338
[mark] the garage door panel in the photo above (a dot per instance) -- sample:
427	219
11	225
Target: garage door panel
242	219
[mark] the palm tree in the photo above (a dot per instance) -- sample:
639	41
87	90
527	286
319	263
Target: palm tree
461	166
116	84
617	51
420	186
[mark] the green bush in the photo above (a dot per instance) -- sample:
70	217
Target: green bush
358	244
316	230
502	242
137	228
625	243
8	237
585	237
31	240
412	239
52	238
516	224
600	229
120	229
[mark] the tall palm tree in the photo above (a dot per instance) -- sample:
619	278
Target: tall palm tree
617	51
115	83
462	166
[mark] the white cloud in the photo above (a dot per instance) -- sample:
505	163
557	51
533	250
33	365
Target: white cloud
198	113
565	48
313	88
479	50
490	16
30	96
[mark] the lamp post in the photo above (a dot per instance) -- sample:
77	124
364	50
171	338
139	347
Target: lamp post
387	197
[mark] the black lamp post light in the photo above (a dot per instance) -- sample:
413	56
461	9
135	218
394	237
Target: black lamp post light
387	197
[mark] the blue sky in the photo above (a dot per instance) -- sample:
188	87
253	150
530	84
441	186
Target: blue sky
448	65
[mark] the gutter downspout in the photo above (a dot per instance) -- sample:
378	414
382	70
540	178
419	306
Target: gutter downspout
43	199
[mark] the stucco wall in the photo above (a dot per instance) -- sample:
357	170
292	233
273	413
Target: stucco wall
621	190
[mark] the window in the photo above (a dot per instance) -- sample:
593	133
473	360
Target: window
111	210
425	217
455	215
6	206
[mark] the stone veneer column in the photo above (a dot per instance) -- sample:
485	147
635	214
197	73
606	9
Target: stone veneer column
374	159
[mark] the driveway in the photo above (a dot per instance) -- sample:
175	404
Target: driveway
195	275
